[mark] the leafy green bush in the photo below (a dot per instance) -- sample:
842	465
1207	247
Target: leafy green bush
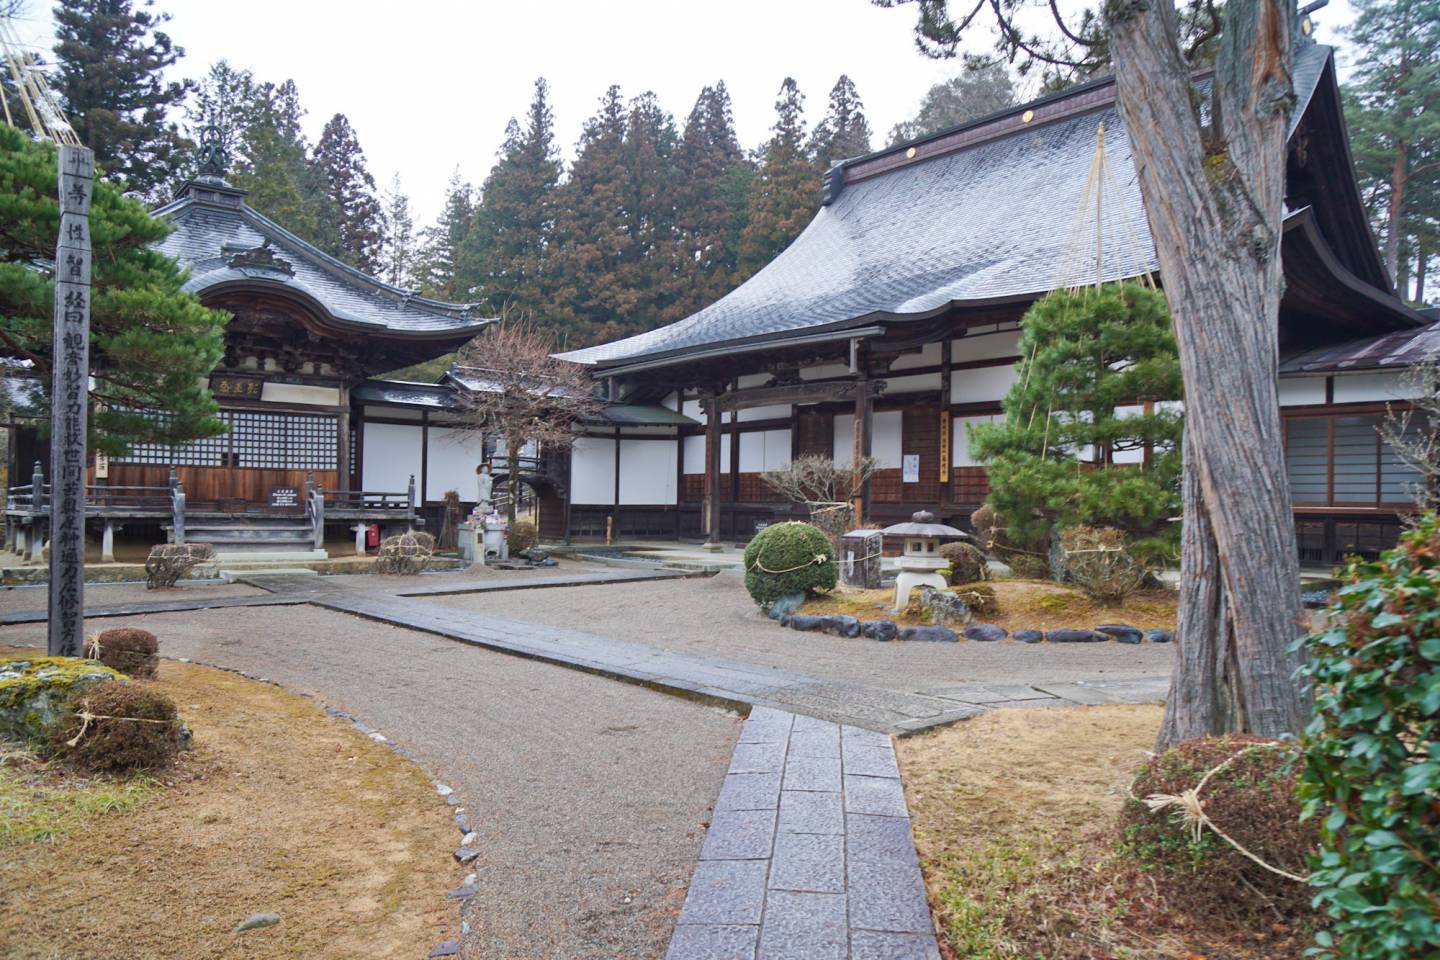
1372	755
789	558
133	726
967	561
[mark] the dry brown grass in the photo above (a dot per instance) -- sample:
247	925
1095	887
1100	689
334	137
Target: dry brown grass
1024	604
1016	817
278	809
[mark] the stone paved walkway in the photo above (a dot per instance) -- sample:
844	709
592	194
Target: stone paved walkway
809	855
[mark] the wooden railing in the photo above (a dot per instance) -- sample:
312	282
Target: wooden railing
370	500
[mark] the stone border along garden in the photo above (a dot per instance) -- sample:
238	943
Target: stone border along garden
843	625
447	948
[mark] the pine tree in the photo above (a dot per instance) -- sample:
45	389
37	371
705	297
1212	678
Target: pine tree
153	346
708	160
1394	101
341	163
505	253
441	242
785	192
1093	365
843	132
272	164
982	86
588	303
109	65
398	262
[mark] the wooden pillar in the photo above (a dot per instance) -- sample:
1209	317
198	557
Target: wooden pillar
342	452
712	470
864	429
947	429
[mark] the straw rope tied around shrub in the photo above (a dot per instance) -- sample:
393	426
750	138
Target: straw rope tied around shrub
819	558
1189	809
789	558
86	716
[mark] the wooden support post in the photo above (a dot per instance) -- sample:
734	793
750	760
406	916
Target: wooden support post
342	452
864	428
69	403
107	542
37	544
712	472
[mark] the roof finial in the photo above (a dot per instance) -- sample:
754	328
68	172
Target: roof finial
213	157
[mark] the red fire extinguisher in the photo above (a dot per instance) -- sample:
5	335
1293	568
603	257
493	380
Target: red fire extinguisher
372	536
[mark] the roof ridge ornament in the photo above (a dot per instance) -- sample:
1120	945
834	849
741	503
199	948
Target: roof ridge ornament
263	259
214	158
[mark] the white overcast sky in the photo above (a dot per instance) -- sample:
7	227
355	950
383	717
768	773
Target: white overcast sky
429	85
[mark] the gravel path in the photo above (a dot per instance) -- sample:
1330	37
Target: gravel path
715	617
115	594
589	796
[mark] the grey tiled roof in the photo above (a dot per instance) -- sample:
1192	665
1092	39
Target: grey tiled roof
207	236
992	220
1392	350
405	392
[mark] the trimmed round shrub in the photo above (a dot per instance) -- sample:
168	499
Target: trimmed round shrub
133	727
1252	799
1372	755
132	651
521	536
981	599
788	558
967	561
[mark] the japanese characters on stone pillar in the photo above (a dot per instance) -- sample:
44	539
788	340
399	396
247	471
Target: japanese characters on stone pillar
69	396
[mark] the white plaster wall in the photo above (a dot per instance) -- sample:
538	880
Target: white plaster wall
695	454
1295	391
844	427
762	450
390	455
824	371
1129	456
770	412
885	442
981	384
693	409
671	401
300	393
647	471
1371	387
960	439
928	356
913	384
988	346
592	471
450	463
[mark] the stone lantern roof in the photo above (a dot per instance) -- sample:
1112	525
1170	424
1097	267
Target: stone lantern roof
922	524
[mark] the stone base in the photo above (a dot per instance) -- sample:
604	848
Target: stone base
909	579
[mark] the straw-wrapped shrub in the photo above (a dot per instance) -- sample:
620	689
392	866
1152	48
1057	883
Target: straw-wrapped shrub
118	726
132	651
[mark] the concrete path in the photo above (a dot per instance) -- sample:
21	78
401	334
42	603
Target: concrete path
809	855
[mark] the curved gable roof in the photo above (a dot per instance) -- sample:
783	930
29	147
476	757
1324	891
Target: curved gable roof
978	214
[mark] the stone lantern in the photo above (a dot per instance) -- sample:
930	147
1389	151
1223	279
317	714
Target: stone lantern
921	561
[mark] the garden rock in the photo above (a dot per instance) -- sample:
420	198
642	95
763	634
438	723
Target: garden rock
785	606
1029	636
929	634
995	570
33	692
1074	635
944	608
1156	635
1315	599
258	920
1122	632
882	630
988	632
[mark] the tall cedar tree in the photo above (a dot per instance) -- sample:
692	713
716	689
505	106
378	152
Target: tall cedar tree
589	302
706	162
272	165
650	271
982	86
109	63
843	132
785	192
441	244
341	163
1211	172
1095	368
505	253
1394	100
397	266
152	345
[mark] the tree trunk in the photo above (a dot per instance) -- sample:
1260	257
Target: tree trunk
1213	199
512	477
1422	258
1399	180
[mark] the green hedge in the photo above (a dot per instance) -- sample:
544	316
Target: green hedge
789	558
1372	756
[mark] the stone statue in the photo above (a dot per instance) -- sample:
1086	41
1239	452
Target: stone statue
484	485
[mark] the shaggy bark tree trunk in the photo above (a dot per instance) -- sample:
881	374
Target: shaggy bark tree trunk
512	480
1213	197
1399	182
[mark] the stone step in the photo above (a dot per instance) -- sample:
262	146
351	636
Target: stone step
258	552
